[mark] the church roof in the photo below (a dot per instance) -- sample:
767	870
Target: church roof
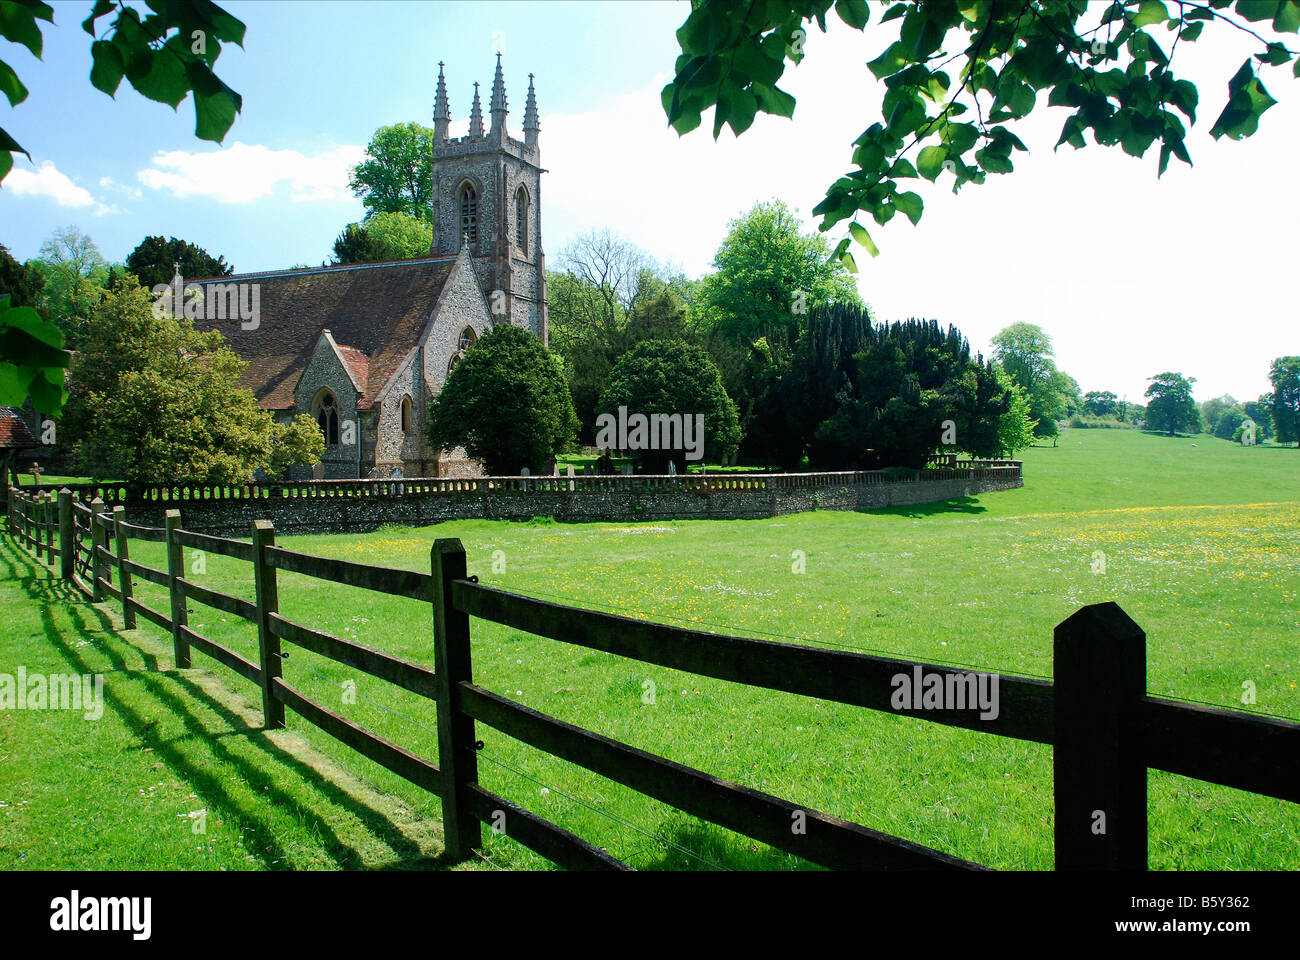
375	313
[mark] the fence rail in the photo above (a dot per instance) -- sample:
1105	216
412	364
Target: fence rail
1105	729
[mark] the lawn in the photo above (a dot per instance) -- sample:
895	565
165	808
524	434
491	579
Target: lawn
1198	539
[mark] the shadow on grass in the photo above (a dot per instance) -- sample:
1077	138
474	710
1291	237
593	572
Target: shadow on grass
916	511
167	686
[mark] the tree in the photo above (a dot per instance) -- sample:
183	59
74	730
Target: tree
298	443
768	275
1101	403
154	399
21	281
1104	61
1284	374
1170	405
1024	351
75	274
673	377
384	236
506	403
155	261
164	55
1213	409
1228	422
1016	427
1260	413
607	295
396	175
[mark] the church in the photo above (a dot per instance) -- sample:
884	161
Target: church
363	348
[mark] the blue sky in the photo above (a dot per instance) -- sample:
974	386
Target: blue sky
1131	276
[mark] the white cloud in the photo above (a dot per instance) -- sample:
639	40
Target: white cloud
242	173
48	181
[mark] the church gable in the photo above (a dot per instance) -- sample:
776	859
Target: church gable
462	307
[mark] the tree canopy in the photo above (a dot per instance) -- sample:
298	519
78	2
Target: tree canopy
1284	402
958	75
155	261
1170	405
396	175
506	403
384	236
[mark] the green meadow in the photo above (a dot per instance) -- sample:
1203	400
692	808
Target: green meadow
1194	537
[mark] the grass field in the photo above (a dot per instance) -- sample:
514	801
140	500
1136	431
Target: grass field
1199	539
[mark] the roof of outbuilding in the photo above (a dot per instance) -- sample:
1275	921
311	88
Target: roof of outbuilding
375	313
14	434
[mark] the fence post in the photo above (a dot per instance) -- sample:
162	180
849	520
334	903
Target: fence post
175	571
452	665
123	574
50	517
41	550
1099	773
67	533
98	538
268	602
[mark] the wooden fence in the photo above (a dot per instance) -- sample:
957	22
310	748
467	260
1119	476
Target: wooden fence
1105	729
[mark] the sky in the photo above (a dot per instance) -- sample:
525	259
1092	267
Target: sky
1130	275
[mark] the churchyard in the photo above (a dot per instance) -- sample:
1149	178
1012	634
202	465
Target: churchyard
1194	538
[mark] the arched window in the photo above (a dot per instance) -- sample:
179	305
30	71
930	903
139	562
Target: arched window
469	212
521	220
467	338
327	415
406	414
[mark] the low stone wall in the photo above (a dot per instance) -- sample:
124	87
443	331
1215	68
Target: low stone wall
335	506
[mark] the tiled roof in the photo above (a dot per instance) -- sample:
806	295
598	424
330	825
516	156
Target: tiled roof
375	313
14	434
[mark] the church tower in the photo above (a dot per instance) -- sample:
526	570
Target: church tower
487	193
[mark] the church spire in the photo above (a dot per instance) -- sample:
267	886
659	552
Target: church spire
530	116
441	108
476	115
498	105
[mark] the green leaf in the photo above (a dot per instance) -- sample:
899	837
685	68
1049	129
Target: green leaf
911	205
889	62
993	161
903	168
894	12
929	162
855	13
215	104
18	23
1275	54
743	107
11	86
1191	31
1149	12
107	67
863	238
1288	17
100	8
165	80
775	101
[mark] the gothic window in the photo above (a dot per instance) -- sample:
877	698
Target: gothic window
469	213
521	220
406	415
451	364
327	415
467	338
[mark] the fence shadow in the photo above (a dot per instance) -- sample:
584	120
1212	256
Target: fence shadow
917	511
167	686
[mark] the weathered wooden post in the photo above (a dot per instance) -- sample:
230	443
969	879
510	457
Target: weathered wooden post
456	751
123	574
38	517
1100	776
268	602
98	538
67	536
175	571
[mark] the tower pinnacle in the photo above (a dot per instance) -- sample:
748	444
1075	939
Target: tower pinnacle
531	125
441	108
476	115
498	104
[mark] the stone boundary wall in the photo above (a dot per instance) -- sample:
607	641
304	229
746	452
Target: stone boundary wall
359	505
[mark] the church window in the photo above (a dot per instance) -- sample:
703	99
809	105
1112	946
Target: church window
467	338
469	213
327	416
406	414
521	220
